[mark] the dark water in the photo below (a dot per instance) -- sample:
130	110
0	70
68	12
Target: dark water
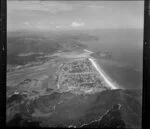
124	75
126	48
125	45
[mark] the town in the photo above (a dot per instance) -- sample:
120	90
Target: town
79	74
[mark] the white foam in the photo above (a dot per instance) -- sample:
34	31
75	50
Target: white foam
111	85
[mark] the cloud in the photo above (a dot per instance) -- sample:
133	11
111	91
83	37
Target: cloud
51	7
57	27
77	24
26	23
95	7
51	23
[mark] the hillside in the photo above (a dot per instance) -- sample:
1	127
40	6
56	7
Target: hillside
37	44
92	107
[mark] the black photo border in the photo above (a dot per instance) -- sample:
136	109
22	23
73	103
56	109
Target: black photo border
146	63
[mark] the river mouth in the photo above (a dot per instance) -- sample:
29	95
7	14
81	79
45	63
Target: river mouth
75	71
53	99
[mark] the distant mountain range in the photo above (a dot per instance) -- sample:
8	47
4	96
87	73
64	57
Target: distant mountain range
19	43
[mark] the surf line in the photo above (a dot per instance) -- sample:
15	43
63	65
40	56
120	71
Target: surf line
101	73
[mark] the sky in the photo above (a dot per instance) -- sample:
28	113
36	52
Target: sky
68	15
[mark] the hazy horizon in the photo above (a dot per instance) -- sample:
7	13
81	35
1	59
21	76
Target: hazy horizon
112	26
74	15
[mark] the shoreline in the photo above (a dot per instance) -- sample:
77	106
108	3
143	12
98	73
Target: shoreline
107	80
